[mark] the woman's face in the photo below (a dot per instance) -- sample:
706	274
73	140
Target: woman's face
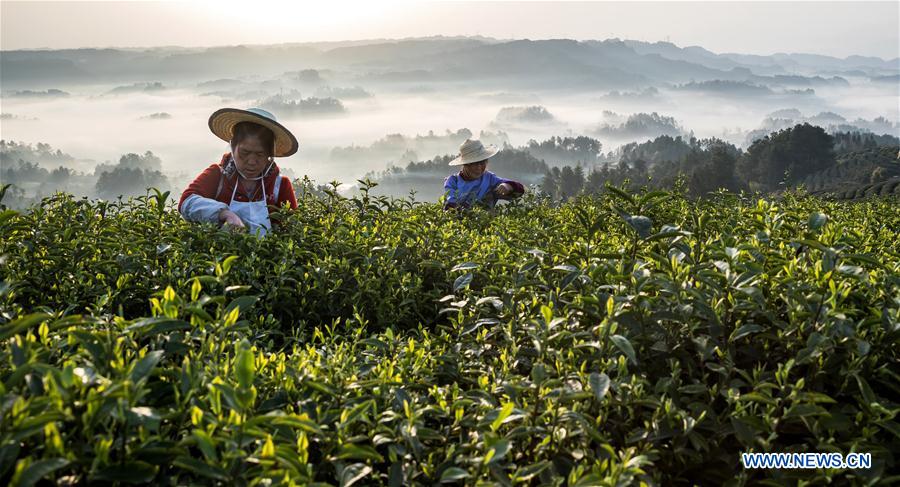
250	156
475	169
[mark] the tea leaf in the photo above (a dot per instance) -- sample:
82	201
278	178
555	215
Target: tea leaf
466	266
242	303
143	367
206	444
525	474
756	397
504	413
599	384
129	472
817	221
452	474
497	452
462	281
641	224
358	452
354	473
244	366
744	330
624	345
38	470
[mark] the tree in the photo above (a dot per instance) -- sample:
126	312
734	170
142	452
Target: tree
717	172
128	181
147	161
787	156
550	183
60	175
571	182
566	150
596	180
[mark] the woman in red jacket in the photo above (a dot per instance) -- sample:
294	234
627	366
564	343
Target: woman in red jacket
241	188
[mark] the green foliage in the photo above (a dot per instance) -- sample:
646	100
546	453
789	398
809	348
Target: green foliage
40	153
845	142
131	176
566	150
611	340
854	169
302	106
641	125
127	181
787	156
661	149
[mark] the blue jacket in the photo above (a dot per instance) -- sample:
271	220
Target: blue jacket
462	193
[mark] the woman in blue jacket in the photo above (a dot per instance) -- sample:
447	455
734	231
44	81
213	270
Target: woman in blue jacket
474	184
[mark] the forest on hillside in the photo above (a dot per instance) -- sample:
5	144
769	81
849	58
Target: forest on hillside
802	156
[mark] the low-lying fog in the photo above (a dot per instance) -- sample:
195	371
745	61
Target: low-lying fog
97	123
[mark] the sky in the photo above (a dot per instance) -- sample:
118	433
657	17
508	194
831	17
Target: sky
831	28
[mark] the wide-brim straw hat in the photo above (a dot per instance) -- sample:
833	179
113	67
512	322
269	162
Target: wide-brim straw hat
473	151
222	123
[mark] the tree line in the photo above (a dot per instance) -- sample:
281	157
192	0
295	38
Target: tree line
778	161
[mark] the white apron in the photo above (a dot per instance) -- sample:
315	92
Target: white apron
255	214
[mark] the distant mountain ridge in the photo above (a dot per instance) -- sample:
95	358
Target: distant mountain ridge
779	63
610	63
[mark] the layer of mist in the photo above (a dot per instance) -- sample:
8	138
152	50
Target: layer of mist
363	109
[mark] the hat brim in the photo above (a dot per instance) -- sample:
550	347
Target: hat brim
486	153
222	123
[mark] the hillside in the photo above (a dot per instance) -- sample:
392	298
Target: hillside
889	187
858	168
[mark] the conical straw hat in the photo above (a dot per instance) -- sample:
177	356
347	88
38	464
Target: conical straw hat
222	123
473	151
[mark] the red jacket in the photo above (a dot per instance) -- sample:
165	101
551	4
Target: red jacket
217	182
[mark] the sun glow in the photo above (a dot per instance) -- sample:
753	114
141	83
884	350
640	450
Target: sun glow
277	22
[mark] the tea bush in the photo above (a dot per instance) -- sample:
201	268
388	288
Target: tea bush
615	340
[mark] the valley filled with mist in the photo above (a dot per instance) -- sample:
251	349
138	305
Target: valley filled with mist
109	122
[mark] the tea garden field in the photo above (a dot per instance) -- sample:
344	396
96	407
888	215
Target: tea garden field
622	339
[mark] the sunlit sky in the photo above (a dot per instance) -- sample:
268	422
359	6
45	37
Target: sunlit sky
832	28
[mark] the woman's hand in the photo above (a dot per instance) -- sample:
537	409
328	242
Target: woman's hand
504	189
228	217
